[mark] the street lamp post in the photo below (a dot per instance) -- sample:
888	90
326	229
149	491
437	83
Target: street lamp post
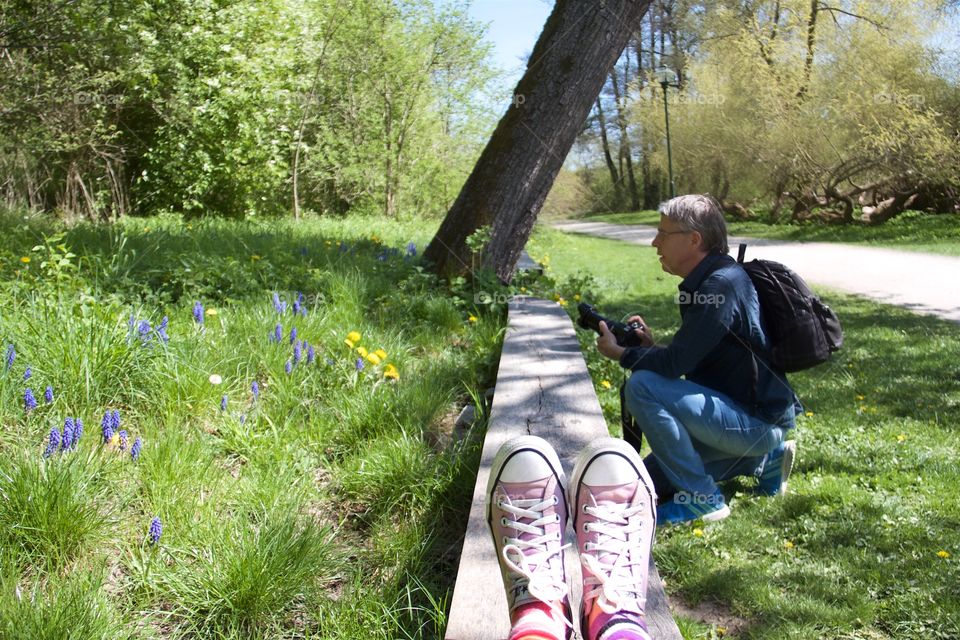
668	78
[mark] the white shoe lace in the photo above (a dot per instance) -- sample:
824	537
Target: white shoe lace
613	582
533	560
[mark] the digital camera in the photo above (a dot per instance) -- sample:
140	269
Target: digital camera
625	333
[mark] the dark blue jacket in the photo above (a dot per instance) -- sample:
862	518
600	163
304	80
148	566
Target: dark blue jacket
720	317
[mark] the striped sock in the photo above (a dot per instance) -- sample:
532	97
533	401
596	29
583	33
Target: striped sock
621	625
537	621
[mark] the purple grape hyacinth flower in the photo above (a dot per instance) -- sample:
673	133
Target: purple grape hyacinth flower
278	333
53	443
297	352
198	312
123	439
243	419
255	390
27	374
311	354
143	329
278	305
162	330
135	449
115	419
77	432
107	427
67	441
293	335
223	404
411	249
29	402
11	355
288	367
359	364
48	395
156	530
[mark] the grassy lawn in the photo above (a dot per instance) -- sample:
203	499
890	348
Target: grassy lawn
911	231
309	508
867	543
305	508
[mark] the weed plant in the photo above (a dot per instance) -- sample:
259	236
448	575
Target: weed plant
867	543
263	451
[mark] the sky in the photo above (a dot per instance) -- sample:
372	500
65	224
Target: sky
513	28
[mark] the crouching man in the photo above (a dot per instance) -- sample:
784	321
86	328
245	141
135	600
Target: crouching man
710	404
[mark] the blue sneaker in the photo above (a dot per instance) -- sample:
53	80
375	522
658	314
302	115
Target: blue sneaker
688	507
776	469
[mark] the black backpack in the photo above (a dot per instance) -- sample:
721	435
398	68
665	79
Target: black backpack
802	330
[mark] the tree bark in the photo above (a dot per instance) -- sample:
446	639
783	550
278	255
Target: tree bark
625	152
579	44
811	41
614	177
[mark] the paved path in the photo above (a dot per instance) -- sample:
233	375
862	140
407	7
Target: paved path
920	282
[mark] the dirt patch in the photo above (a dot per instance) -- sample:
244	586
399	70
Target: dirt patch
718	616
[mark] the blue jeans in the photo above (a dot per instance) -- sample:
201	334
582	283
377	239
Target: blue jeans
697	435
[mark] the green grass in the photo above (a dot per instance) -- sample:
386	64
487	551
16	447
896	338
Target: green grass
852	551
912	231
308	511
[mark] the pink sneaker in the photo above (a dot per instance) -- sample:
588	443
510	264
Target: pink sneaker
527	514
613	507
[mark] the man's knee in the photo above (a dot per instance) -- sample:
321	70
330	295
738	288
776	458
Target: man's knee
642	384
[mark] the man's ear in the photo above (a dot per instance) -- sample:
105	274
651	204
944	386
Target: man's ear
696	240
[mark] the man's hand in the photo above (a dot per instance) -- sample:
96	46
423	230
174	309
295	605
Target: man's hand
646	337
607	343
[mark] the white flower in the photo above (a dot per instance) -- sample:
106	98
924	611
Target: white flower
215	379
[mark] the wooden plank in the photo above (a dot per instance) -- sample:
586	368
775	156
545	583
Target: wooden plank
526	263
543	389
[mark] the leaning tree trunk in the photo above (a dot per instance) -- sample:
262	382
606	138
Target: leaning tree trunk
580	43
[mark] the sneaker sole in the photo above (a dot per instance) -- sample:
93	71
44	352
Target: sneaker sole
608	446
789	449
511	448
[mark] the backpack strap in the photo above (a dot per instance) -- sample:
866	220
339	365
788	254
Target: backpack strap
741	253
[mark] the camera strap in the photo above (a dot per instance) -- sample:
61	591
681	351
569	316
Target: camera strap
631	430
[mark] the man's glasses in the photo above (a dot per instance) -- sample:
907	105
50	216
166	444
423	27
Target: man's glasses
661	232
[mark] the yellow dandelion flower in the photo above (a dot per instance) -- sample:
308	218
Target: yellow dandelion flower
254	258
576	297
472	318
25	259
115	440
902	437
859	397
211	312
787	544
943	554
523	289
698	532
381	354
348	342
363	352
561	301
721	631
353	336
373	358
809	414
391	372
605	384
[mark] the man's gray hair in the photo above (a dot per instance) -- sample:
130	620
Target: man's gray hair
700	213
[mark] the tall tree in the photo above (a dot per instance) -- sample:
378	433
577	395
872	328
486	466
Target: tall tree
579	45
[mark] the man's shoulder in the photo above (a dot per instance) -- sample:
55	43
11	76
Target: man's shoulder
725	272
